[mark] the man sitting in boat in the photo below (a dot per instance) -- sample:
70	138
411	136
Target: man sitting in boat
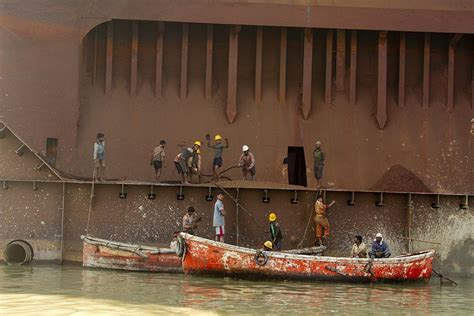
380	248
359	249
190	221
275	231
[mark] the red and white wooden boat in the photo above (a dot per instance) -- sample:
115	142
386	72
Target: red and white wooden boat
204	256
101	253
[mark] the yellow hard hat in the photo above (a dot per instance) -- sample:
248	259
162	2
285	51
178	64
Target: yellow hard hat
197	143
272	217
217	137
268	244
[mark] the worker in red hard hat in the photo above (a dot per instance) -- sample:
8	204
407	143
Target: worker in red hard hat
247	163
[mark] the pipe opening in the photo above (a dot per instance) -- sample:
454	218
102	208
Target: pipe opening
18	252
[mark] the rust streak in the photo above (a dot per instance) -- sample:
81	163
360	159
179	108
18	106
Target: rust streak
133	70
353	69
340	60
382	80
401	70
209	48
451	61
328	82
108	60
94	60
426	71
307	71
283	43
258	65
231	109
184	61
159	60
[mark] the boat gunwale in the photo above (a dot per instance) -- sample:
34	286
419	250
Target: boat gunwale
127	247
282	255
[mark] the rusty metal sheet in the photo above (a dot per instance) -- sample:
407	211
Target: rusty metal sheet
382	80
307	72
426	70
328	82
209	49
401	70
258	64
232	74
184	61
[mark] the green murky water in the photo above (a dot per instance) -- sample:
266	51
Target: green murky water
72	290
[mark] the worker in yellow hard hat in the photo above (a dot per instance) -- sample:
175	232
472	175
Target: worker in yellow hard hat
275	231
196	162
268	245
218	149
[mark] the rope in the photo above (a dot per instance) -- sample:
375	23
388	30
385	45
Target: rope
241	206
442	277
90	202
300	245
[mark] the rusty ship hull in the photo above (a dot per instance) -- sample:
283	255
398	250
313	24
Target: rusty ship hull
203	256
101	253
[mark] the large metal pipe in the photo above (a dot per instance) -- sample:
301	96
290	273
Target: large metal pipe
18	252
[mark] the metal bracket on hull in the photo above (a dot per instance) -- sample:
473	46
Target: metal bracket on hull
265	198
151	195
436	204
122	193
180	195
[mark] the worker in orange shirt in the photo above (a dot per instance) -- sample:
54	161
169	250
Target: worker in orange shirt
320	220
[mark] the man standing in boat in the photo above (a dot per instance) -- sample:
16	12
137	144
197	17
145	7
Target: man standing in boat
380	248
219	220
359	249
320	220
190	221
99	157
275	231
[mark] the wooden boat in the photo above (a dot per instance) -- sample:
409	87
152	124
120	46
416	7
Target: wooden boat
204	256
101	253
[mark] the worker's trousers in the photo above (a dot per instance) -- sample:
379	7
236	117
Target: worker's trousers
322	223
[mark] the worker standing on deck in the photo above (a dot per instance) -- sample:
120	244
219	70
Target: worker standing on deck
190	221
247	163
219	220
319	157
359	249
99	157
275	231
196	162
182	161
380	248
218	149
320	220
157	159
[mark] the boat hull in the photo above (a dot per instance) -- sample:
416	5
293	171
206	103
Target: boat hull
213	258
102	256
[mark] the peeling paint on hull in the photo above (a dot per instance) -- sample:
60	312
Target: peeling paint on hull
204	256
101	256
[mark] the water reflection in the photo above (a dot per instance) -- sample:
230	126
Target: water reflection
71	289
